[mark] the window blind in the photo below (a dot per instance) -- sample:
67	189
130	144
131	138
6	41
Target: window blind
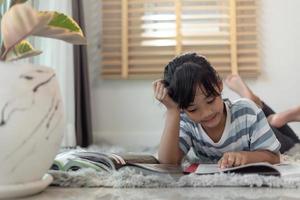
139	37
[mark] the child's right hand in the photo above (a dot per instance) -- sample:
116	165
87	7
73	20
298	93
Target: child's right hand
233	159
161	94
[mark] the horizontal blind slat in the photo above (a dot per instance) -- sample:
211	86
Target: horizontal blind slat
152	34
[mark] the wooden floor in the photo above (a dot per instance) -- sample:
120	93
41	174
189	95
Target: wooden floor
55	193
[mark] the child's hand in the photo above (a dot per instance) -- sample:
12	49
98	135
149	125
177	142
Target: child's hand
232	159
161	94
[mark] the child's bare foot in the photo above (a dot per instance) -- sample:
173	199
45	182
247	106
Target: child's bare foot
280	119
235	83
276	120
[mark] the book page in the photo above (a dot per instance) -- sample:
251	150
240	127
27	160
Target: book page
116	161
161	168
259	168
207	169
139	158
288	170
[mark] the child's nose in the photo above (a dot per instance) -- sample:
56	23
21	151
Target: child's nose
207	114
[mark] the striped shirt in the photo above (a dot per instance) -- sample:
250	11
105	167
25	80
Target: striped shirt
246	129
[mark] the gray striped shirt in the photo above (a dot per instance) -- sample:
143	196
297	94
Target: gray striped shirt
246	129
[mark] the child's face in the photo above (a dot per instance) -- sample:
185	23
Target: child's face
208	111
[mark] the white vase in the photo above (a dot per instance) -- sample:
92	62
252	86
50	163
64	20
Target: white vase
31	122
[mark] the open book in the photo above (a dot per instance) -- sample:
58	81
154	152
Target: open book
263	168
72	161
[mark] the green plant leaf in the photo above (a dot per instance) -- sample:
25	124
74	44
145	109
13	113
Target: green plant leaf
22	50
19	22
61	27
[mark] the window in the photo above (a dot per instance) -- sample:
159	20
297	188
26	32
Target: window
139	37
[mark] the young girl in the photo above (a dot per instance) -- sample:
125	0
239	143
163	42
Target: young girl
197	117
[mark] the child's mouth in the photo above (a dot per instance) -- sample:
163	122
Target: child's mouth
210	119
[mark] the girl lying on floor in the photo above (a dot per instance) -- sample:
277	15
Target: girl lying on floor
230	133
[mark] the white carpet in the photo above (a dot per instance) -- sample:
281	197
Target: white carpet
130	178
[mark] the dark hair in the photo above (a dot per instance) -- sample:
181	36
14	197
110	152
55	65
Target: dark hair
185	73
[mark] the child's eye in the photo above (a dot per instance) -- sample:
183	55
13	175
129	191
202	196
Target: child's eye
193	110
210	101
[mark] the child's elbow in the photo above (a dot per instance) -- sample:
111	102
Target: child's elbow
169	161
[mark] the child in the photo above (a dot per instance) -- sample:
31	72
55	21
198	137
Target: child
231	134
278	121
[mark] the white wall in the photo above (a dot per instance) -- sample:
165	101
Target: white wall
125	112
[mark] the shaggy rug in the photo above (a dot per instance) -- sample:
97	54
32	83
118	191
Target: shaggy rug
131	178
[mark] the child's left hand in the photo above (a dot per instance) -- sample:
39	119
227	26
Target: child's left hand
232	159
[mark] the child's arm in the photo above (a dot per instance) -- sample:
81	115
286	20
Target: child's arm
231	159
169	151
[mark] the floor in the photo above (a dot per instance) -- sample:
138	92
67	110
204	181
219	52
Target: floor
244	193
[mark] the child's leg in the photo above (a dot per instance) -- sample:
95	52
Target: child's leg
285	129
235	83
279	119
286	142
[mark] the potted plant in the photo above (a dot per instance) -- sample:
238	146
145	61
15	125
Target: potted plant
31	114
